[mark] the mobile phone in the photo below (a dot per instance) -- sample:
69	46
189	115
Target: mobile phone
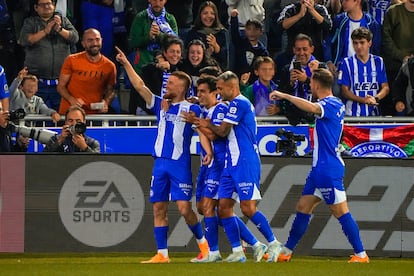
297	65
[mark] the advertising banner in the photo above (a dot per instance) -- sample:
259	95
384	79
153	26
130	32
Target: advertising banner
97	203
374	140
12	179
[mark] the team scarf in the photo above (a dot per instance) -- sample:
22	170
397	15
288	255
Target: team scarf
165	76
261	96
162	24
306	89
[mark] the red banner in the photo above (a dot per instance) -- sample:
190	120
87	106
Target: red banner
380	141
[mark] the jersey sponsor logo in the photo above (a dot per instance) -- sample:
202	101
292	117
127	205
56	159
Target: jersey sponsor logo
378	149
5	87
101	204
232	110
364	86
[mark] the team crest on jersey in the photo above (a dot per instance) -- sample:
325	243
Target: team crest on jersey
6	87
378	149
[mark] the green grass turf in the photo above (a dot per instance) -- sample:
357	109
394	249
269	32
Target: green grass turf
92	264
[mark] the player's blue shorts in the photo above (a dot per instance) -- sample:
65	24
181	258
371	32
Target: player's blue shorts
208	180
242	180
327	184
171	181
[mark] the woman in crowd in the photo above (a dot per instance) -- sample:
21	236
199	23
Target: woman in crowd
197	58
208	28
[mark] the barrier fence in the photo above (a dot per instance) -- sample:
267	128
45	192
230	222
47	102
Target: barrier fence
363	136
99	203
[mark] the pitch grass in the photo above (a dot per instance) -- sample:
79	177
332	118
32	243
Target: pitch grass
92	264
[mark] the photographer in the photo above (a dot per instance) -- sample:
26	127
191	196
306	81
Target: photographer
72	138
6	143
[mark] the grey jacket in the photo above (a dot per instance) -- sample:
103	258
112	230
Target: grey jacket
35	105
45	58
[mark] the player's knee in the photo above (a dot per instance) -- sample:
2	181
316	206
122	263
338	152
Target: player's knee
248	210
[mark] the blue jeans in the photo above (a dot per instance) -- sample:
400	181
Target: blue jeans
49	95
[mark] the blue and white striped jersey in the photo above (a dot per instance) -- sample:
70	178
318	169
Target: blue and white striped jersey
216	115
174	135
363	79
327	133
4	89
241	141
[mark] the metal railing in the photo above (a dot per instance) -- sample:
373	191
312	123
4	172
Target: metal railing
138	121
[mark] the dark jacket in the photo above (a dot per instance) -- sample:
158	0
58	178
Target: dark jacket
334	46
69	147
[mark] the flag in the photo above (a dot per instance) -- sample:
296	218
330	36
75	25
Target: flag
380	141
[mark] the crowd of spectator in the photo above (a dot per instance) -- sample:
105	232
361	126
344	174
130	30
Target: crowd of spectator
47	39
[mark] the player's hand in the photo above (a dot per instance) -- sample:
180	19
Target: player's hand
277	95
207	159
121	57
202	122
188	117
4	118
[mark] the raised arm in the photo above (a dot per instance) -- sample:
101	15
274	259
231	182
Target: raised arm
302	104
135	79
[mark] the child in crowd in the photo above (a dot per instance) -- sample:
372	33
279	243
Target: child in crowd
247	47
22	95
258	92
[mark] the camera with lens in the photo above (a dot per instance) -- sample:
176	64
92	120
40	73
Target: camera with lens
78	128
288	144
17	114
44	136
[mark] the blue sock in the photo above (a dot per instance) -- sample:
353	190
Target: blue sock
161	236
231	228
299	227
245	232
211	230
263	226
351	231
197	230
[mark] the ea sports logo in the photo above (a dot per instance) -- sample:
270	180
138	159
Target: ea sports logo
101	204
